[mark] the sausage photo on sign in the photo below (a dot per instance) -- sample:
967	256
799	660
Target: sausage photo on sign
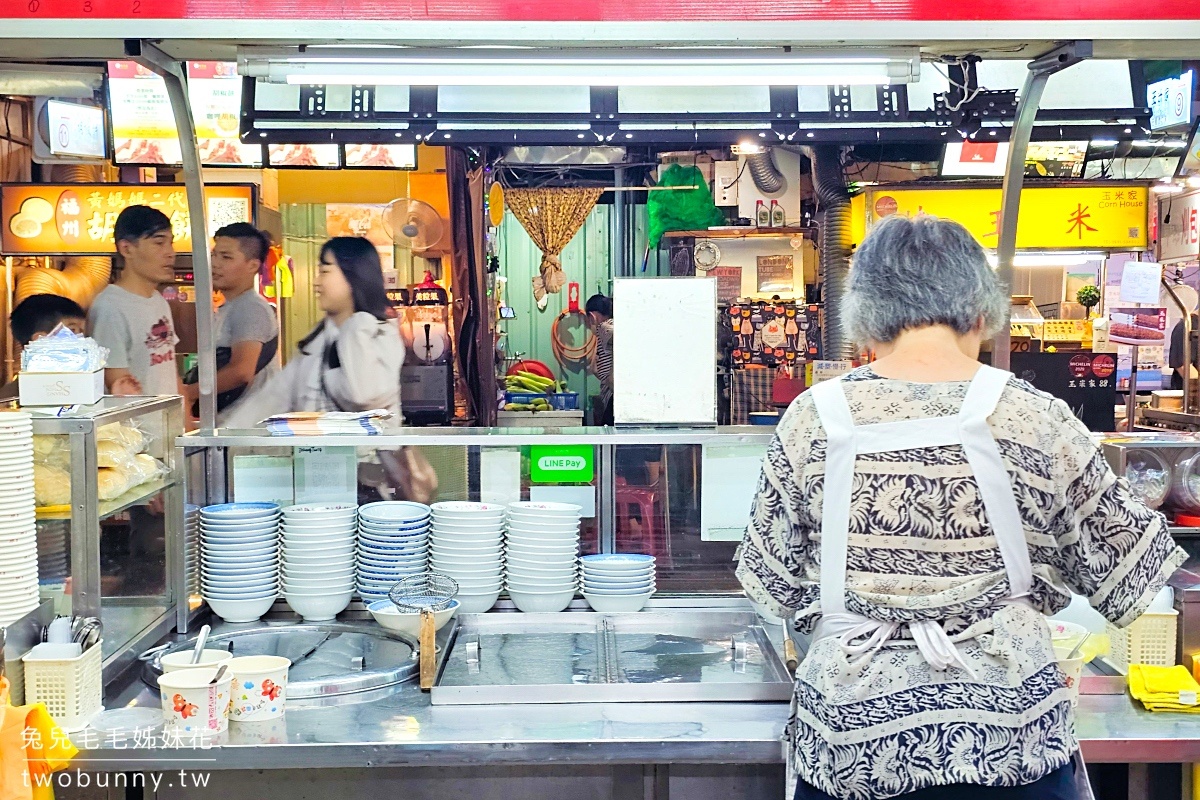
1137	327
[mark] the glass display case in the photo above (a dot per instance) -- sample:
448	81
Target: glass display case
109	497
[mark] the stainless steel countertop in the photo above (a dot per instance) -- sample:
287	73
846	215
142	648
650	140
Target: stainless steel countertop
405	729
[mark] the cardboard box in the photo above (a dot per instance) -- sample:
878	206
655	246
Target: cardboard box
61	388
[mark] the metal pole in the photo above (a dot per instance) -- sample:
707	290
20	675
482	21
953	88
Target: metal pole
1187	347
172	72
1030	98
620	247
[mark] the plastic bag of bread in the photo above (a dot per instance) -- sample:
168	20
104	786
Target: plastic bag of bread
111	483
51	486
146	468
54	450
127	436
113	455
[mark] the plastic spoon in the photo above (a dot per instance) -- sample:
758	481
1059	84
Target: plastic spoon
1079	646
201	640
220	674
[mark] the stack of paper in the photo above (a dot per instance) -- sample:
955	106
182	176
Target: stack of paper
327	423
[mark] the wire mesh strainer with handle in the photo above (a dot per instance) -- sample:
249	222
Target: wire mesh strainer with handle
425	594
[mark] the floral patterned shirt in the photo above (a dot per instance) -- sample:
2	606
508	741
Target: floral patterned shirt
921	548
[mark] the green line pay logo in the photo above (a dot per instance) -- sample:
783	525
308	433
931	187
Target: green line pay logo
561	464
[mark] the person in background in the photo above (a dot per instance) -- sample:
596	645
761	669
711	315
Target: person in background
1175	359
920	516
247	331
349	362
36	316
130	317
600	313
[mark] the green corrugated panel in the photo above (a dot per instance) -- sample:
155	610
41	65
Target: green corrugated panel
304	232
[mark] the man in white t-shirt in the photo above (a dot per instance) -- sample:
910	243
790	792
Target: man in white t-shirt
247	330
130	317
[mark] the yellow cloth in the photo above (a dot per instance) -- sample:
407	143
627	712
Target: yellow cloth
31	748
1164	688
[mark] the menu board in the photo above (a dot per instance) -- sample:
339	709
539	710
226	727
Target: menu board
144	126
304	155
78	218
381	156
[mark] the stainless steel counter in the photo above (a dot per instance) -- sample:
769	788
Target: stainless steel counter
403	729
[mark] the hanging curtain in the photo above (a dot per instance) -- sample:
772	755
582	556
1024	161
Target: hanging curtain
476	369
551	217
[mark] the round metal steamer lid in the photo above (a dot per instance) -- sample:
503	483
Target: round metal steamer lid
327	659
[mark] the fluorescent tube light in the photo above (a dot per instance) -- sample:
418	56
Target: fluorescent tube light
751	67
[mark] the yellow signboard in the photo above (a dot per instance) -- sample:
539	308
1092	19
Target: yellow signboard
78	218
1110	217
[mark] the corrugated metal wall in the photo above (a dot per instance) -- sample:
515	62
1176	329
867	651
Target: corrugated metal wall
587	261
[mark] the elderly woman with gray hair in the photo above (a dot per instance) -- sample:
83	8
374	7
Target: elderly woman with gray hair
919	516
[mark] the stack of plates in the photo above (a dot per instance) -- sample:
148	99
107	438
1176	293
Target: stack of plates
542	550
318	559
393	543
191	547
18	526
239	559
618	582
53	562
467	543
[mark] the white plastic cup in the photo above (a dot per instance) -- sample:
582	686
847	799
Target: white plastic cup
1072	668
192	704
259	687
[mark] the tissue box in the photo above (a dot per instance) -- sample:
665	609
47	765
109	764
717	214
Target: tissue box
61	388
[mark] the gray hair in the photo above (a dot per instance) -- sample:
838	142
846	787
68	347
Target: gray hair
915	272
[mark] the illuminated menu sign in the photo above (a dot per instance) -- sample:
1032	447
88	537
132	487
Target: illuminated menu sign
144	127
78	218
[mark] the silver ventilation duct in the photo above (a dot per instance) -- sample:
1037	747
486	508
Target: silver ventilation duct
830	183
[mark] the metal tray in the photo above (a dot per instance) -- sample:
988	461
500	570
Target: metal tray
701	656
328	659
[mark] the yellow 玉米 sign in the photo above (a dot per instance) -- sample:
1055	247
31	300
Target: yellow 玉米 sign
1109	217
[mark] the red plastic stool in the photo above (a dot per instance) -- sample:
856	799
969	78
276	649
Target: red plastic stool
651	539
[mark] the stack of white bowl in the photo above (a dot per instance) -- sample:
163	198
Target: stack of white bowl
18	523
191	539
467	544
318	559
618	582
541	552
393	543
239	559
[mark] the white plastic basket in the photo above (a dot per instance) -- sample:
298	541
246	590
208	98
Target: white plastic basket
1149	640
70	688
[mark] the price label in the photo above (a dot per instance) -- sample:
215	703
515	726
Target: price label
97	9
1064	330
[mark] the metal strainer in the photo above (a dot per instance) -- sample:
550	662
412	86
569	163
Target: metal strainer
429	591
425	594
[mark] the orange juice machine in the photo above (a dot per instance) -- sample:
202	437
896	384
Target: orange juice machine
427	377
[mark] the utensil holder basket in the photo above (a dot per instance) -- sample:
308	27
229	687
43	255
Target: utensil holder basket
1149	640
72	689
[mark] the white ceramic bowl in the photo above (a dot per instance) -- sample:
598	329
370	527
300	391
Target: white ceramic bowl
393	530
394	511
467	539
238	510
533	576
240	591
466	526
315	573
545	534
617	583
544	548
318	607
332	538
475	587
249	524
467	574
393	541
301	560
390	561
340	583
314	528
234	577
325	550
540	586
650	587
242	549
390	617
320	511
240	610
468	562
477	602
173	662
466	551
539	507
618	561
542	602
607	604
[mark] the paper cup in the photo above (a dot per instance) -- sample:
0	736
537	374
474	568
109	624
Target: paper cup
259	687
191	704
1072	668
173	662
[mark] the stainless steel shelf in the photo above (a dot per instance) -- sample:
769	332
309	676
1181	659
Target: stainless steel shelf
138	495
488	437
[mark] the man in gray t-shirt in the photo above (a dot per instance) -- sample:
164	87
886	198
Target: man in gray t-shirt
247	330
